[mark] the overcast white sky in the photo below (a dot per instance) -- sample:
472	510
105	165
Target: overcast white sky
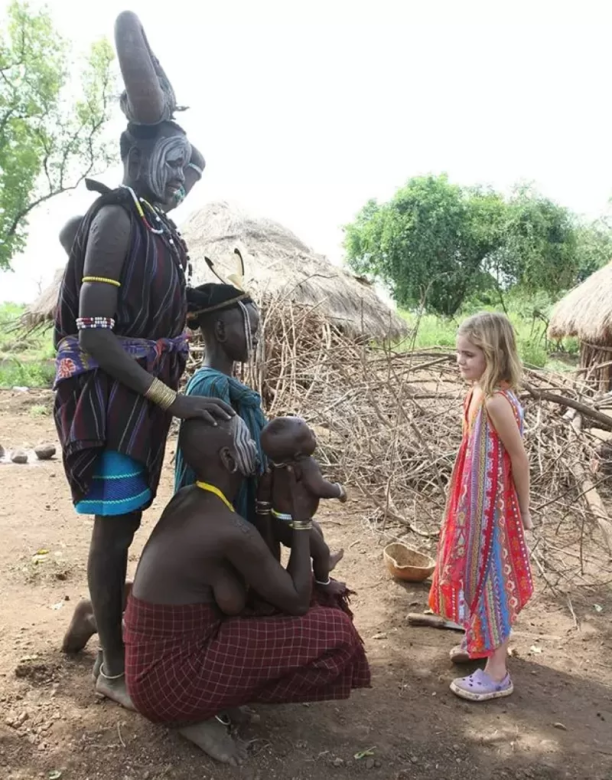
304	110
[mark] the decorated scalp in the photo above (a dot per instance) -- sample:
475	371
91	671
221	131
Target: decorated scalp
201	443
138	133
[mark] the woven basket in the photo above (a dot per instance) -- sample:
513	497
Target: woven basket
404	563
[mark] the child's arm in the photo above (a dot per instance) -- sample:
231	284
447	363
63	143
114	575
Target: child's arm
315	484
503	420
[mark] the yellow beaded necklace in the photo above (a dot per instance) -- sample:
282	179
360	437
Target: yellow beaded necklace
215	491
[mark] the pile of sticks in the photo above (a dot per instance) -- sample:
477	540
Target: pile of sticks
388	423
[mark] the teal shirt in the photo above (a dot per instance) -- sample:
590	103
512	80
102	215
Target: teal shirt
246	403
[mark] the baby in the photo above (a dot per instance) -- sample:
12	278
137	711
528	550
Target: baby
289	441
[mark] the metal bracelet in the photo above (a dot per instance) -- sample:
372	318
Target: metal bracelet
302	525
161	394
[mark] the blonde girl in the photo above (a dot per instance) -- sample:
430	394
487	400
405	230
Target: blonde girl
483	578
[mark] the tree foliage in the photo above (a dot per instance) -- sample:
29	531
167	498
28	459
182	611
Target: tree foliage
51	133
437	243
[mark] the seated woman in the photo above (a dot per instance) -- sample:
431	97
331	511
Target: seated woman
196	646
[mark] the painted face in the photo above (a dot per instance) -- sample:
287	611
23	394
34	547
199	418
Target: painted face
245	448
164	171
470	359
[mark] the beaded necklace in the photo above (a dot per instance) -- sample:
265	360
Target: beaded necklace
215	491
167	230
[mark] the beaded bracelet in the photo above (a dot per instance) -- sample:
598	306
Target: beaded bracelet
282	516
91	323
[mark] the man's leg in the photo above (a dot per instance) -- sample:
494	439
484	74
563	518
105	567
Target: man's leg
106	571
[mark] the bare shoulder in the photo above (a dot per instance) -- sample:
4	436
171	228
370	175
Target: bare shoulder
111	217
498	406
240	527
108	242
241	538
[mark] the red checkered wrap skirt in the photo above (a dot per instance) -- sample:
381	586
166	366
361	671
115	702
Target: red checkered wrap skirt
185	664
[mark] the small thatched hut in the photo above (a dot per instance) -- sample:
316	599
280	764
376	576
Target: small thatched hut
42	311
277	265
586	313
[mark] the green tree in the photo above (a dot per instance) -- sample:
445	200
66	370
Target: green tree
538	244
51	134
594	247
429	243
438	243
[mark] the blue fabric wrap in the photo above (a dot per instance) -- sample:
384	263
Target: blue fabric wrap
119	486
247	404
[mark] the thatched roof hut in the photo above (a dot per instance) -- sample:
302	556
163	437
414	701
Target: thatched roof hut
42	311
586	313
277	264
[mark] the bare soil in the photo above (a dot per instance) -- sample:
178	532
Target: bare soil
557	725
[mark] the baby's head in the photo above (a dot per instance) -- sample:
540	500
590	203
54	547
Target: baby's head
287	439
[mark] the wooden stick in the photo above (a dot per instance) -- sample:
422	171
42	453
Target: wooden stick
591	496
416	619
603	419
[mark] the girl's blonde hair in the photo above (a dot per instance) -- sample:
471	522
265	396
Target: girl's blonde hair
494	335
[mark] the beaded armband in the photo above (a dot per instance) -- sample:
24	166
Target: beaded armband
101	279
281	516
94	323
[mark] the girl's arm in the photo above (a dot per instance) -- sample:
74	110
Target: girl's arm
503	420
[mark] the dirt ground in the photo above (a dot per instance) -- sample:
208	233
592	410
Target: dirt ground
557	725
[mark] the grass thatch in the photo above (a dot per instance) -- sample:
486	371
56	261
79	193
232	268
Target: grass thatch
42	311
586	311
279	265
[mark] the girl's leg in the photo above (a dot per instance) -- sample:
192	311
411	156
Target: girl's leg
496	667
492	682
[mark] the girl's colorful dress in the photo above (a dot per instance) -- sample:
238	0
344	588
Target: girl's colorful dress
483	577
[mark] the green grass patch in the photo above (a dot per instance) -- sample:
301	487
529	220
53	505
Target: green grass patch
529	318
26	360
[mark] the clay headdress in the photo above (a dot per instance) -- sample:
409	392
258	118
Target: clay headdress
148	97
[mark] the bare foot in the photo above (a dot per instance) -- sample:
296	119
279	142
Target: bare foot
335	559
242	716
214	739
82	627
115	690
95	672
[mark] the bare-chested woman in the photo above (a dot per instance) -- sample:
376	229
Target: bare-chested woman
199	639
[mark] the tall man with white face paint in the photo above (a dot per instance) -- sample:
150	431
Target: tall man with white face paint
121	348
